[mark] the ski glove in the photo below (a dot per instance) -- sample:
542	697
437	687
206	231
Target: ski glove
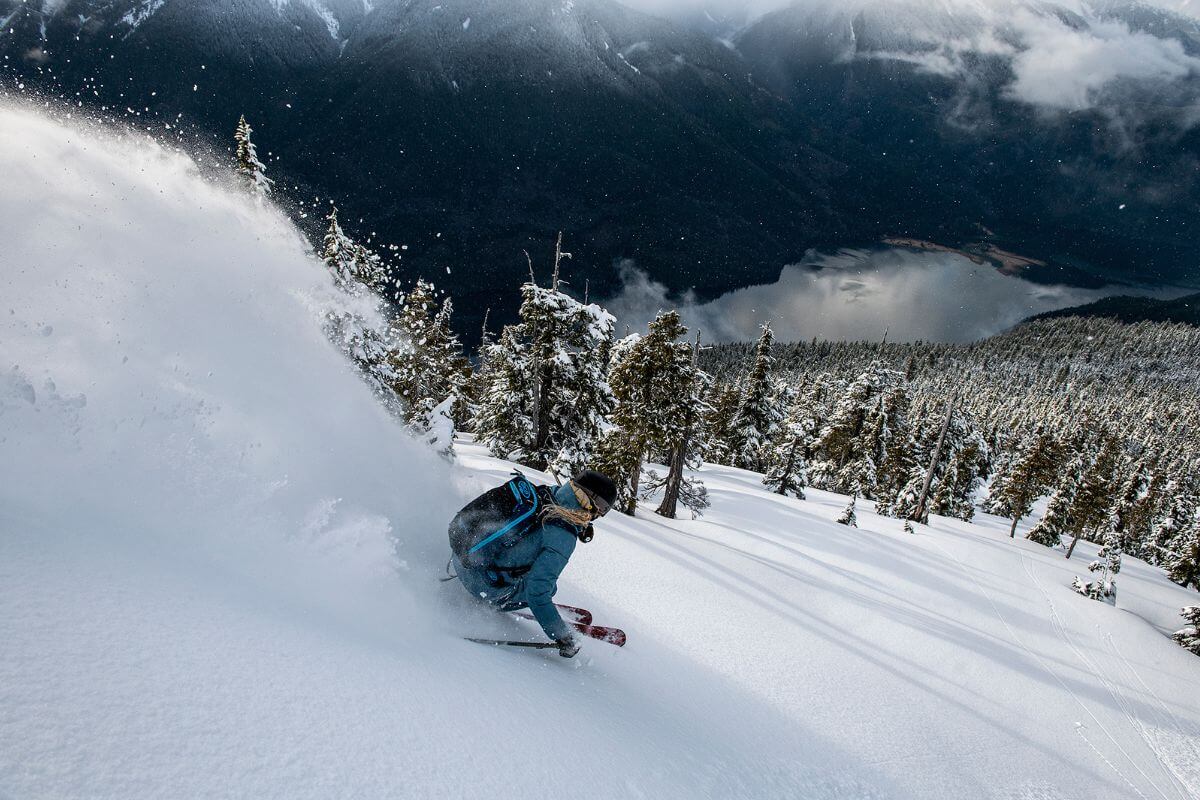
568	647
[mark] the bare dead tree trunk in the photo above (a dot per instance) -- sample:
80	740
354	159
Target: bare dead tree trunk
1074	541
670	502
634	481
787	469
542	419
559	255
920	514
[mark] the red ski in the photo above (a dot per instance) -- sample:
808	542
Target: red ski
611	635
581	620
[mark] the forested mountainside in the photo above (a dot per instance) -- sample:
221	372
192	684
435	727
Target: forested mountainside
1135	378
1136	309
1089	410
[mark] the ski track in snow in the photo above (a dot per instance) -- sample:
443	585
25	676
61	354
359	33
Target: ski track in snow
219	563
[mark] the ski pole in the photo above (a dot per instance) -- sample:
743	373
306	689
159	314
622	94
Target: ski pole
498	642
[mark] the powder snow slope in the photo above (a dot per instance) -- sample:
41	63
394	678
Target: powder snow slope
218	565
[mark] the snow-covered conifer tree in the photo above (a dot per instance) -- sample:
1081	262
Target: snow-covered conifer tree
961	468
866	445
248	165
1029	475
476	383
1105	568
1094	497
1180	504
787	461
757	417
849	517
1189	635
688	449
1057	522
898	476
656	391
353	266
430	366
1183	561
504	416
1133	513
359	327
555	358
717	424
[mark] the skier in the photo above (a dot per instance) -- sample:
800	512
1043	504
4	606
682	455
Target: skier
511	558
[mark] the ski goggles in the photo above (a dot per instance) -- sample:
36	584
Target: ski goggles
590	502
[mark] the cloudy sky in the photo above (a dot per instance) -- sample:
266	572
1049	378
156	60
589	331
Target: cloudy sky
859	294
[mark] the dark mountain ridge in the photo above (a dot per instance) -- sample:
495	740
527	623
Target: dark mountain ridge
472	131
1136	309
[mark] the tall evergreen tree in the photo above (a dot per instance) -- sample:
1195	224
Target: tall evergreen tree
787	463
1133	514
504	416
721	406
556	358
1180	503
476	383
354	266
1029	475
960	470
1094	498
1189	635
687	451
656	392
757	416
358	328
1057	520
866	445
248	165
1183	561
899	478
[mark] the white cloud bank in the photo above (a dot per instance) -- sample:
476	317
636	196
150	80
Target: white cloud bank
1070	69
1064	56
860	294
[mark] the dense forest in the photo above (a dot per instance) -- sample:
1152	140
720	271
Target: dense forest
1096	414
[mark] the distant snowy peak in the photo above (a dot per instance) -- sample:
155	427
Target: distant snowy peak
460	42
869	26
124	17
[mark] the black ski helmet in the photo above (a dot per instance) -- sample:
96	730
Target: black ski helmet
599	486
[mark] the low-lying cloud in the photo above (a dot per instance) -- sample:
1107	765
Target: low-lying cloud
1064	58
1061	57
855	295
1075	69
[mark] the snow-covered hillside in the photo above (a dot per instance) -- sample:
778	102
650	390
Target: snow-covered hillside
219	562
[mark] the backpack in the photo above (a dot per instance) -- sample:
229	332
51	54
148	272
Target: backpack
497	520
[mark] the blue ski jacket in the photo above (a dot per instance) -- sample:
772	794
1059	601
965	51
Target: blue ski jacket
526	574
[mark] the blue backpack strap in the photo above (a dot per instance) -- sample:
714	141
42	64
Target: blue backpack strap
524	492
